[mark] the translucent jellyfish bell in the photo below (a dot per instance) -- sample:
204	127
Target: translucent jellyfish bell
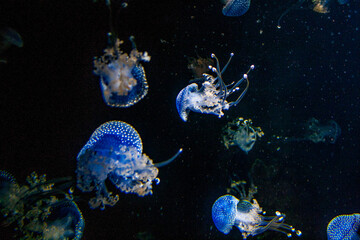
211	97
241	133
114	152
122	77
322	132
246	214
344	227
235	8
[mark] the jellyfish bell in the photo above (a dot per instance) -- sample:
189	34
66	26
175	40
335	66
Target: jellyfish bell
211	97
235	8
114	151
344	227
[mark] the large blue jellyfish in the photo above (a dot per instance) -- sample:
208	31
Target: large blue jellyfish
246	214
41	209
344	227
211	97
236	8
241	133
114	152
122	78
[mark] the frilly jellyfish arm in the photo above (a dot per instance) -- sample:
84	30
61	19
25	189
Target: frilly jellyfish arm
236	8
224	213
122	78
344	227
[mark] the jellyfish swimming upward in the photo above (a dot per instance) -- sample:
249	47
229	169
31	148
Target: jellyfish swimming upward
122	78
241	133
114	152
246	214
211	97
236	8
41	209
344	227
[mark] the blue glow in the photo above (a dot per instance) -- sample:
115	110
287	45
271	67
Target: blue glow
236	8
344	227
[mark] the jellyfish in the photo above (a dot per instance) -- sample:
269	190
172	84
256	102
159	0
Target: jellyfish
317	132
247	215
9	37
122	78
211	97
41	209
241	133
114	152
319	6
235	8
344	227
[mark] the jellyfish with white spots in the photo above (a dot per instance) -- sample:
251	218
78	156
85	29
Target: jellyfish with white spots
41	209
115	152
241	133
344	227
246	214
122	78
211	98
235	8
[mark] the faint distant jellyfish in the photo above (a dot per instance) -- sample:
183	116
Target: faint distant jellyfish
199	65
344	227
235	8
317	132
246	214
114	152
241	133
9	37
41	209
122	78
211	97
341	2
319	6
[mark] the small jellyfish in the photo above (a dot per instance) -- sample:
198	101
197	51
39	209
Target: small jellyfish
246	214
317	132
241	133
344	227
122	78
41	209
199	65
235	8
211	97
114	152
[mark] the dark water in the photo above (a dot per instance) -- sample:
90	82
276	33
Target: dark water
51	103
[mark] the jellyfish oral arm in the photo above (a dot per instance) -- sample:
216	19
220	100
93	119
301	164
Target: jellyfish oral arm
166	162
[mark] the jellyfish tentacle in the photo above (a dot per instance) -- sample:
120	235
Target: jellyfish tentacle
166	162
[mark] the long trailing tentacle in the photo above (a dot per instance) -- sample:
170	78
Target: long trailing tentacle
166	162
235	87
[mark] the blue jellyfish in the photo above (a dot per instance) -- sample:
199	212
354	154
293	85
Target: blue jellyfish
211	97
235	8
122	78
241	133
114	152
246	214
41	209
344	227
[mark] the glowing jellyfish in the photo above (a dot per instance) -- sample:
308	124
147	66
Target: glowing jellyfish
211	97
235	8
114	152
241	133
344	227
122	78
246	214
9	37
41	209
